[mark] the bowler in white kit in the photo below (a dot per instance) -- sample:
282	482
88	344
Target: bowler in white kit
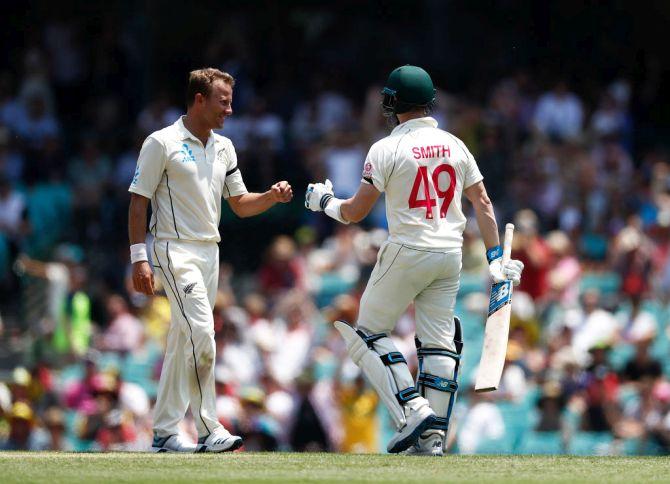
184	170
424	172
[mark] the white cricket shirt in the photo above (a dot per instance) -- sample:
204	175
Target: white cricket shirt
423	171
186	181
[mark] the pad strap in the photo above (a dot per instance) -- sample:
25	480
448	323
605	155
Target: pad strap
438	383
393	358
421	352
440	423
406	395
370	339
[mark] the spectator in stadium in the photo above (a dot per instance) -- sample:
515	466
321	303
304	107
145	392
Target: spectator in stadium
12	210
36	125
21	419
124	333
54	425
283	268
642	365
565	274
559	114
481	422
308	432
601	386
358	406
531	249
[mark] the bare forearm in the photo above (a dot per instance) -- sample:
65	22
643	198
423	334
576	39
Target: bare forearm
34	267
349	212
251	204
359	206
486	219
137	220
488	227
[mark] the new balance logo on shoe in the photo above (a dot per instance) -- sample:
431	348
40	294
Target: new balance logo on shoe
188	289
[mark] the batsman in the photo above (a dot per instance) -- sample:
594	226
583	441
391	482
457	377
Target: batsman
424	172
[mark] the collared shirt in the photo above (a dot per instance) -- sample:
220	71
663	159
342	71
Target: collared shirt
423	171
186	181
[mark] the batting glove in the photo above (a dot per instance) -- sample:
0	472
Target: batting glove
499	273
318	195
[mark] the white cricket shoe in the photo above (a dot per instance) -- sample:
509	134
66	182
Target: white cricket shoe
429	443
219	441
418	421
173	443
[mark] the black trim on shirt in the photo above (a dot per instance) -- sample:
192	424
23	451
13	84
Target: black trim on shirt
230	172
154	229
174	220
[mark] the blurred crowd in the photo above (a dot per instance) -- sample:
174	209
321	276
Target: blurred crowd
588	362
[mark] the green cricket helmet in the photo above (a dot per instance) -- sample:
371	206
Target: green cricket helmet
408	87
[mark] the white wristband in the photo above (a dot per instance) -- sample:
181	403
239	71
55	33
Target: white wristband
333	210
138	253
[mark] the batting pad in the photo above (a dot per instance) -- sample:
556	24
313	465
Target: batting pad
384	367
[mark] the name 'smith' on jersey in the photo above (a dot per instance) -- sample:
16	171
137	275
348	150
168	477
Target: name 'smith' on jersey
423	171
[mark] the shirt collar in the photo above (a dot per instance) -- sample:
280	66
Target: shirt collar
183	132
417	123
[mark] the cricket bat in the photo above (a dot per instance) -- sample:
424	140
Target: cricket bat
497	327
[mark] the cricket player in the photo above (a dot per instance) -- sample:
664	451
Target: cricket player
185	170
424	172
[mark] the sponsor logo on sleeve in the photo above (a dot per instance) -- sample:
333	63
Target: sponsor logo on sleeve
136	176
367	170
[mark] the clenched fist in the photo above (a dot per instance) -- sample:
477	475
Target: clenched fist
281	192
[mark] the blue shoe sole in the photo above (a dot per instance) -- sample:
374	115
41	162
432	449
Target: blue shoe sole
412	438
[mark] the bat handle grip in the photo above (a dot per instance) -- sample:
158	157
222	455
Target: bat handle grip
507	244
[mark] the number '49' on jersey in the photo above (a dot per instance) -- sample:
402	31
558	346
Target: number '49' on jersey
423	171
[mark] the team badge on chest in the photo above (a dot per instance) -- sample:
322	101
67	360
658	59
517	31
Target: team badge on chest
186	153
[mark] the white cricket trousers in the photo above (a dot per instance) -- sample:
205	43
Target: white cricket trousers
404	274
189	271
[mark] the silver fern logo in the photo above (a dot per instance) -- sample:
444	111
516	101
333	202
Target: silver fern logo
187	153
188	289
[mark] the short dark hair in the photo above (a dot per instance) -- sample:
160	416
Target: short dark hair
201	80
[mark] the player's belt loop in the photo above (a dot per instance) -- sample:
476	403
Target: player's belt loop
392	358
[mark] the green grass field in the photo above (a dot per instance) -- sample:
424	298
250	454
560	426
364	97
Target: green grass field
289	467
